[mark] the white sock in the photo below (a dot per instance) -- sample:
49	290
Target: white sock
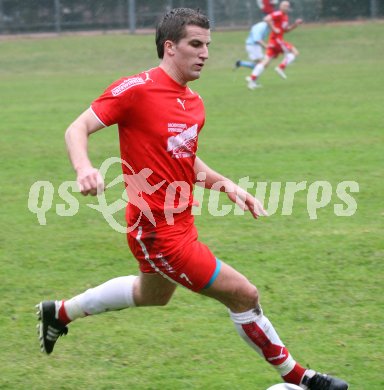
258	70
289	58
115	294
259	333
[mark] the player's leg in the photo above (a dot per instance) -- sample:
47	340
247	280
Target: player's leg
244	64
116	294
147	289
242	299
257	71
153	289
260	67
255	54
290	54
154	286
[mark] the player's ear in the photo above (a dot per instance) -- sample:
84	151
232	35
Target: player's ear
169	48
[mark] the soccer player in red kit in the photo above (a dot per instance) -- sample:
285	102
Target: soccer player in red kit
278	22
159	136
159	119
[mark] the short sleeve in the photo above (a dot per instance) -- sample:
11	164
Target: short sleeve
112	107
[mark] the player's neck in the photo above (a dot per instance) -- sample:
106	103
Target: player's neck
173	73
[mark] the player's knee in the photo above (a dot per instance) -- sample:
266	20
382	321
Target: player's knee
248	298
252	296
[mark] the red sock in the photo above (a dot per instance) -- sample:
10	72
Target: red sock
275	354
62	315
295	376
282	66
253	77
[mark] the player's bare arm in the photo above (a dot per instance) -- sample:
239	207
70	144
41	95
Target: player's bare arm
235	193
294	25
89	178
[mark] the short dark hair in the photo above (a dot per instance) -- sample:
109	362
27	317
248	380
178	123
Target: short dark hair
172	26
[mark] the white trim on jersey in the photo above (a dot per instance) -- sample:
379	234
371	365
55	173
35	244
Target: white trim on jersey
93	112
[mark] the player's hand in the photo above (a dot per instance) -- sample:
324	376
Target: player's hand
276	30
298	21
247	202
90	181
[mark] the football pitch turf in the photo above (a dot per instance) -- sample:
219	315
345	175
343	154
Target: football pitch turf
321	280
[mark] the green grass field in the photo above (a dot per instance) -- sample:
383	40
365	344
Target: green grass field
321	281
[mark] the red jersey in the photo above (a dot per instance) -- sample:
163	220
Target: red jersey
266	6
159	121
280	21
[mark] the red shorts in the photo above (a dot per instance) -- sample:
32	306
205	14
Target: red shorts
277	47
180	258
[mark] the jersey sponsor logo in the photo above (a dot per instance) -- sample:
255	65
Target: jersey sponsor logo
183	145
176	127
127	84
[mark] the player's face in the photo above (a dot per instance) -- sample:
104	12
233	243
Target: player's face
190	53
285	6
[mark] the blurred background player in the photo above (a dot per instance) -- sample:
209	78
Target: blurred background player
254	45
278	22
267	6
